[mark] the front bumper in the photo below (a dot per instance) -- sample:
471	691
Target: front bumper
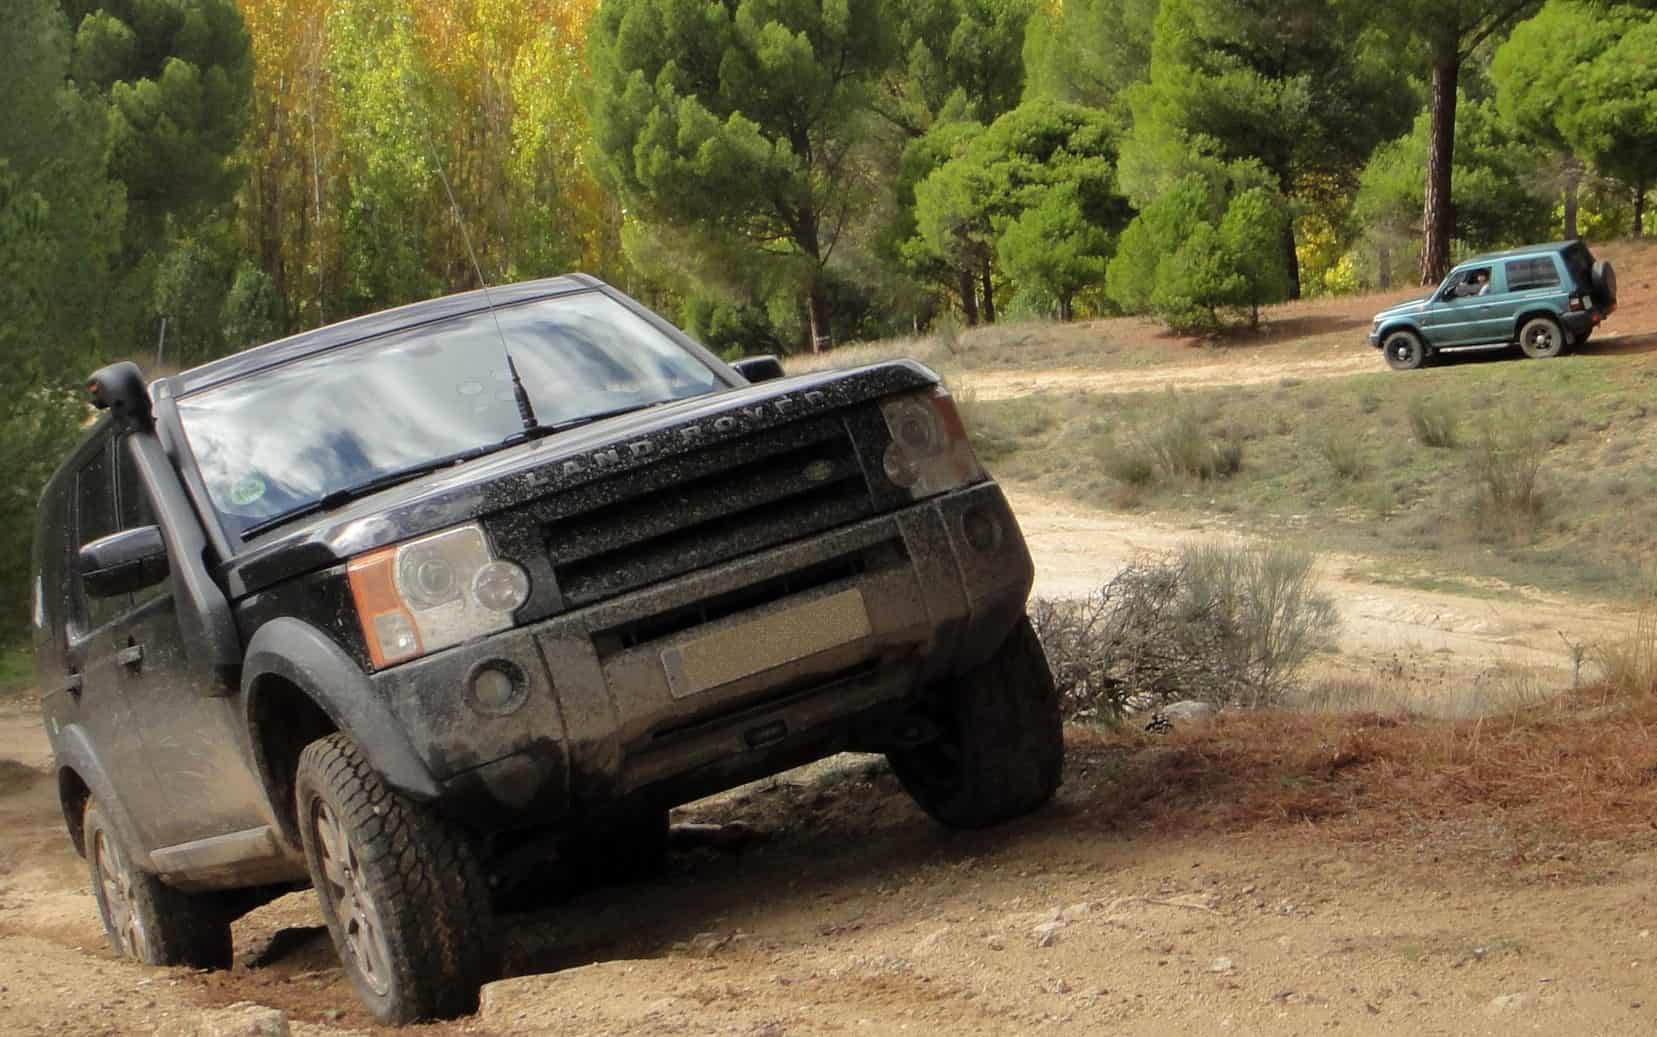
608	712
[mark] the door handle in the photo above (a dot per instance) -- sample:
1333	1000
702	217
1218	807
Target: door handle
72	684
131	656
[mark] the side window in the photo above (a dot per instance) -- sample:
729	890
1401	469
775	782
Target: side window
1472	282
1526	274
135	509
95	517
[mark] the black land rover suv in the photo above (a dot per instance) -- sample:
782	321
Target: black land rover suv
407	606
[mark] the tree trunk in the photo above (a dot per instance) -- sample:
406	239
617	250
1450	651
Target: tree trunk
1573	184
989	297
1291	258
822	335
1064	309
1384	274
969	298
1639	208
1438	215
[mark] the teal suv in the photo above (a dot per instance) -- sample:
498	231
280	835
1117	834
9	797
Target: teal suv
1541	297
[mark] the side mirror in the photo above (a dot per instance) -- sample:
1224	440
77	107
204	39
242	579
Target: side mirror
120	389
759	368
123	562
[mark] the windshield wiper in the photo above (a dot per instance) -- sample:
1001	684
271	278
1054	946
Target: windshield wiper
335	498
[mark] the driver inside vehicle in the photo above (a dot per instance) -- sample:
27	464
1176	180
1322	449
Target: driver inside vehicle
1475	282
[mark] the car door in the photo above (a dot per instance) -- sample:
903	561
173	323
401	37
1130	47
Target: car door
93	697
190	726
1455	315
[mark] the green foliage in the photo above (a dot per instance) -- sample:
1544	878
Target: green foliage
37	428
994	177
955	58
733	330
1090	51
252	311
1293	87
1185	260
1052	246
1343	450
740	118
1500	199
177	77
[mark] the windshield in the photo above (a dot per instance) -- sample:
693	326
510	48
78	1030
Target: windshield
284	438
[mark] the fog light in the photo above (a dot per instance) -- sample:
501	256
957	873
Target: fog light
497	689
900	467
982	529
501	587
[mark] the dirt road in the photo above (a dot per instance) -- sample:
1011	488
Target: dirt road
851	913
1436	650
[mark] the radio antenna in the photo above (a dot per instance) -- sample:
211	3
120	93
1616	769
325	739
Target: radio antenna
526	409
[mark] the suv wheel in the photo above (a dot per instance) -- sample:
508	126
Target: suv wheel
146	919
1404	349
401	889
1603	279
1002	747
1541	338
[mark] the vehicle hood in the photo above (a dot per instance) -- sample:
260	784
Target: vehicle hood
1404	309
522	473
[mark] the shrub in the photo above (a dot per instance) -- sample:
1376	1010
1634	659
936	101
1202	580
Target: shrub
1179	446
1434	423
1629	664
1222	624
1345	454
1505	462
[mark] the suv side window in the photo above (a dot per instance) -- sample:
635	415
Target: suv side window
135	509
95	517
1526	274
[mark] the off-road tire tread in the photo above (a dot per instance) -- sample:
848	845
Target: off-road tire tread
1420	351
1559	336
185	928
424	876
1006	725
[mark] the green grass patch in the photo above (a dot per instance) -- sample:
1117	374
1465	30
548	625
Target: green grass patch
1541	473
17	669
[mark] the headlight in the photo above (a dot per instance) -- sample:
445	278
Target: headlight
929	453
431	593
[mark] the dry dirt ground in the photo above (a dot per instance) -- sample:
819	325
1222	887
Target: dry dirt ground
849	912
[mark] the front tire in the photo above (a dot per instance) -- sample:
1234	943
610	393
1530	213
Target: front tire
1001	748
1541	338
144	918
1404	349
401	889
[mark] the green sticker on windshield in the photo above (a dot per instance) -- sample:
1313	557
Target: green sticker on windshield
247	490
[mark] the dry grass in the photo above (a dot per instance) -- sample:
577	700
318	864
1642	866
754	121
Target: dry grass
1584	763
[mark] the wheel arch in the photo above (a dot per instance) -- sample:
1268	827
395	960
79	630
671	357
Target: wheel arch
81	777
1532	314
1398	325
298	685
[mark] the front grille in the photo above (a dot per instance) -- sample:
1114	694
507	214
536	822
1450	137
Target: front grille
707	508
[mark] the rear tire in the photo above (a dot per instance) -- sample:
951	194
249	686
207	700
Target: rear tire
144	918
1541	338
1404	349
1001	750
1604	284
401	889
